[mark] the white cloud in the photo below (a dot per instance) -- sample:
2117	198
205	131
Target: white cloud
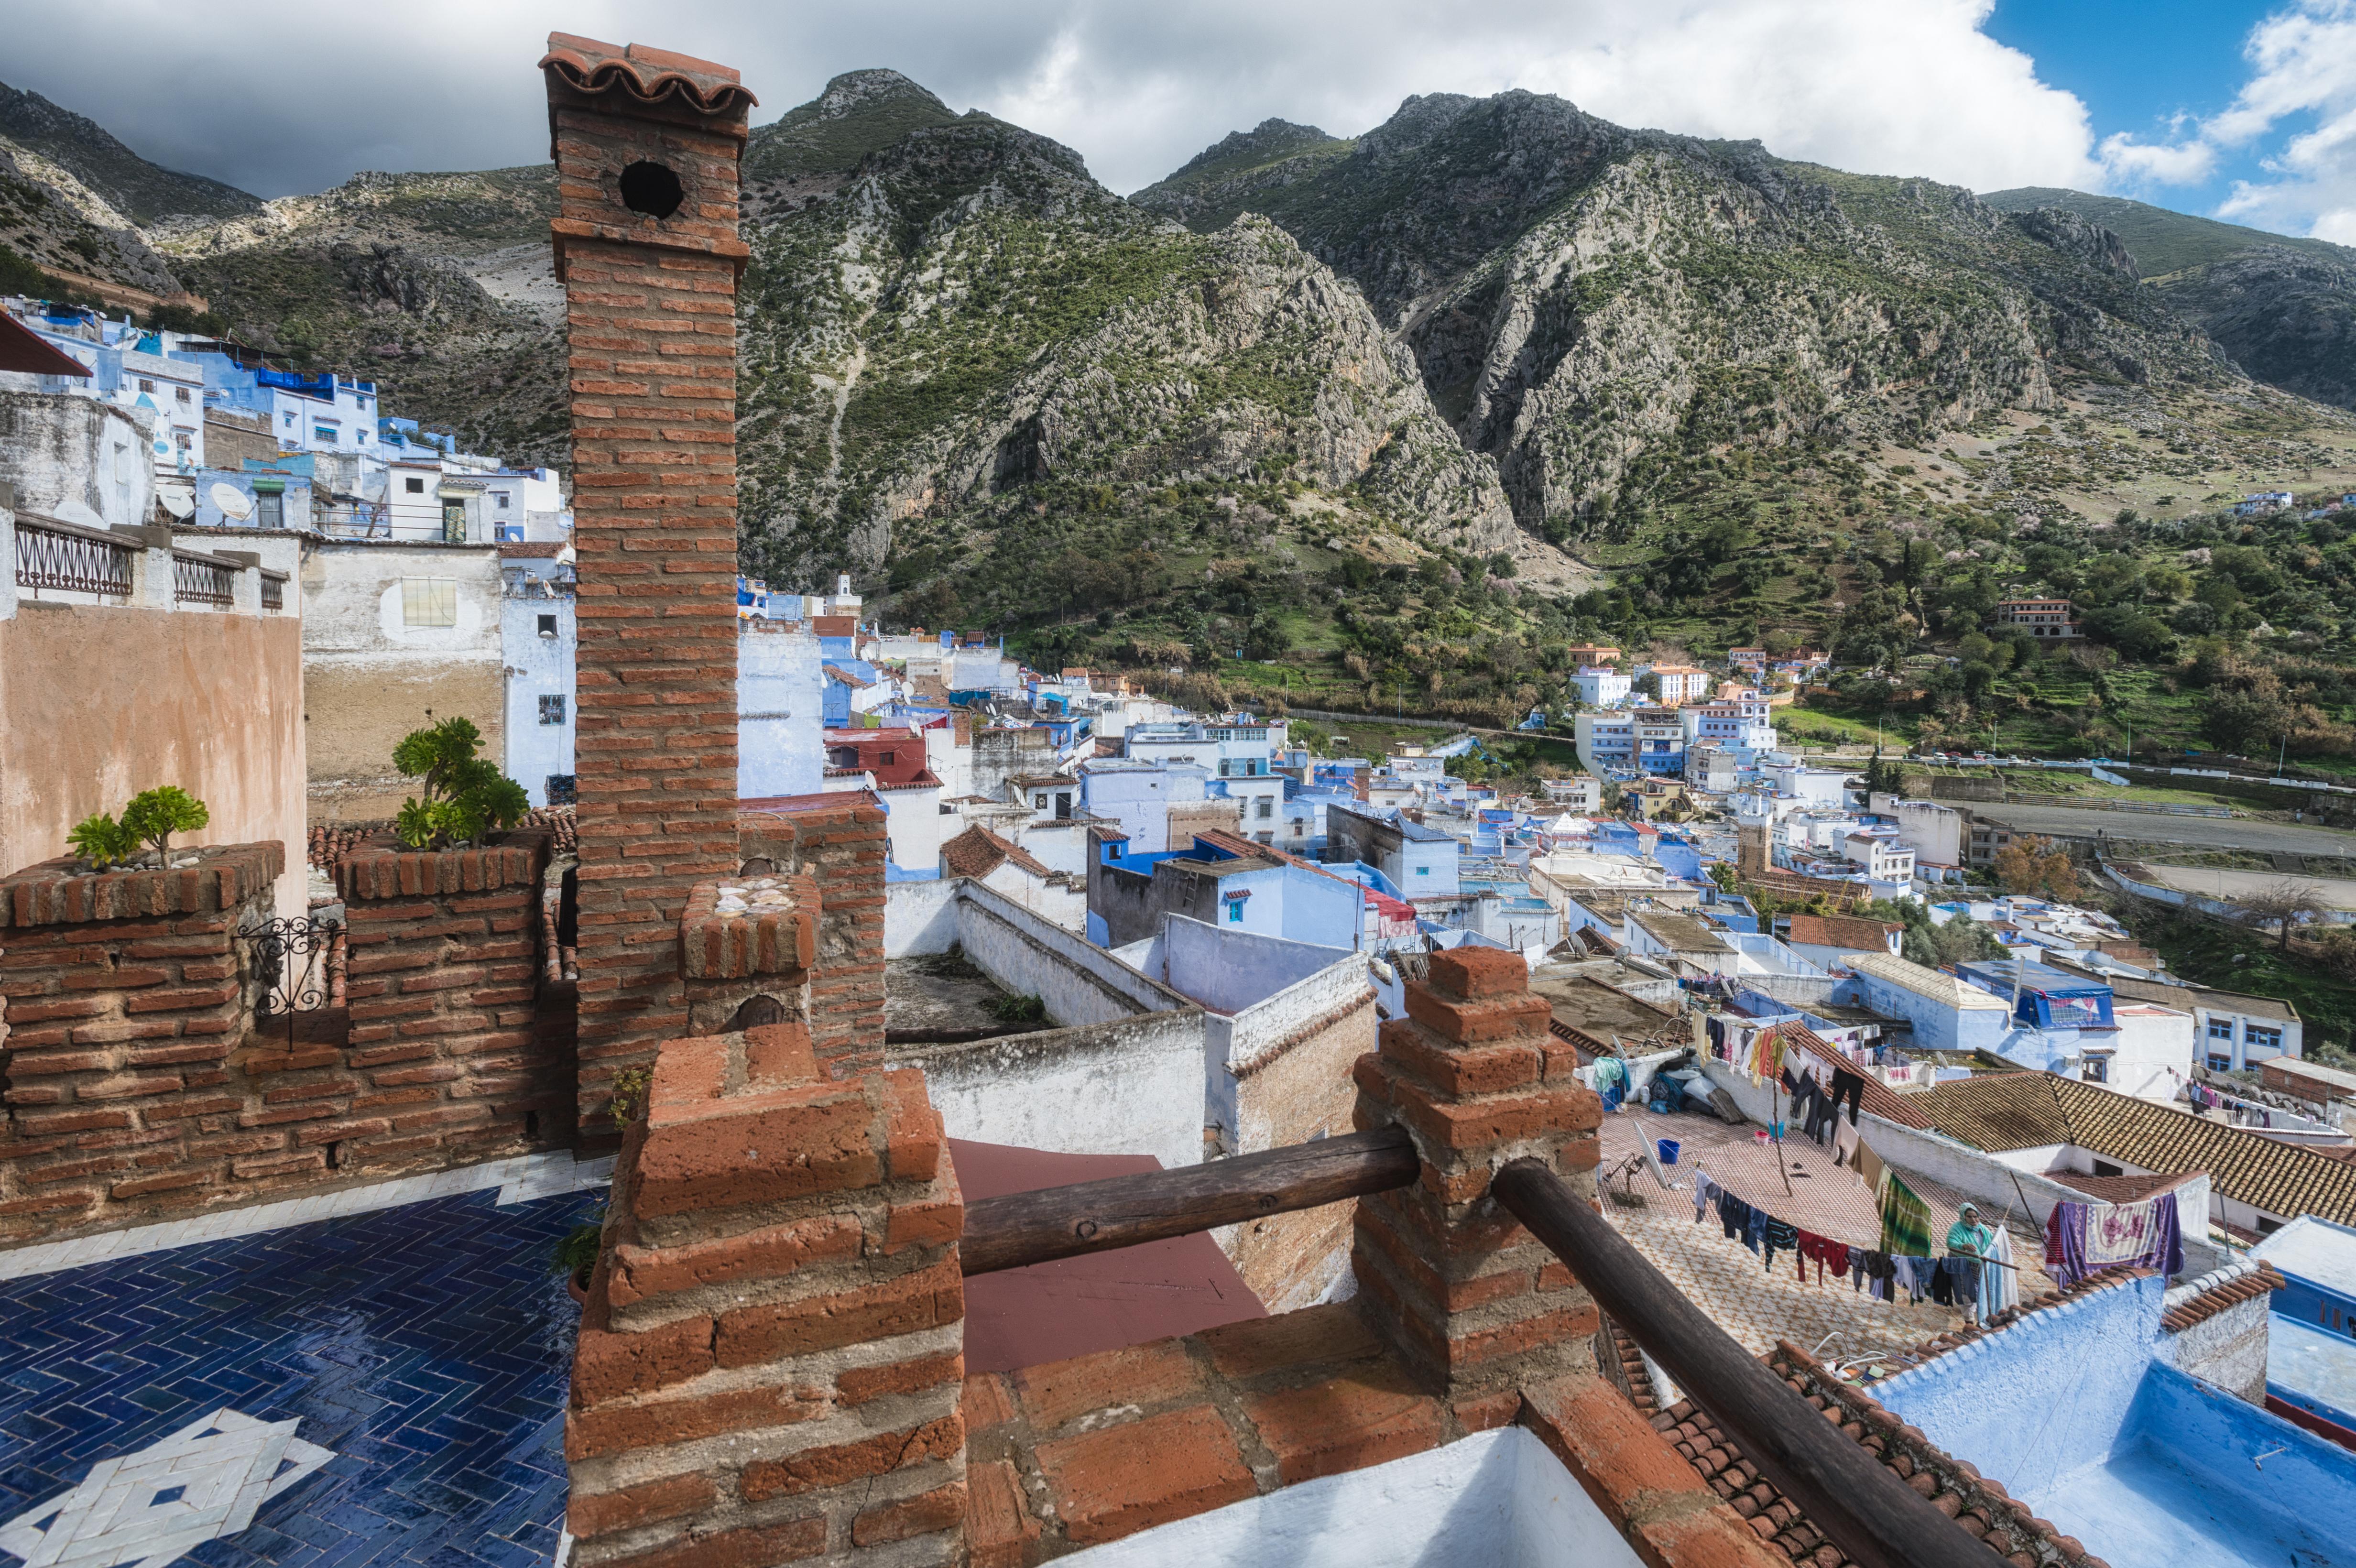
1900	87
2131	163
2304	62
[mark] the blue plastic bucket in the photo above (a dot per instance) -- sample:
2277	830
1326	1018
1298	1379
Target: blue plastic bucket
1668	1148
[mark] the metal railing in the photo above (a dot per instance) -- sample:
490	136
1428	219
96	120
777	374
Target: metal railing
71	559
274	592
203	579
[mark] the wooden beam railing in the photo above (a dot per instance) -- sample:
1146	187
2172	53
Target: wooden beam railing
1859	1502
1153	1206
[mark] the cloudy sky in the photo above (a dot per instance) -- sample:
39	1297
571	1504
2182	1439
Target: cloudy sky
2237	108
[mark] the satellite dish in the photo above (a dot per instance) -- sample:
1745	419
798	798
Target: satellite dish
78	512
234	503
179	503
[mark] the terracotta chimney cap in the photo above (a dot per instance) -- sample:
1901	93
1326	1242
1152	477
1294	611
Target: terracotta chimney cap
592	65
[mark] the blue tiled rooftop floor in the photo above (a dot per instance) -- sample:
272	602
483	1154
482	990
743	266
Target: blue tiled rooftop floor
426	1346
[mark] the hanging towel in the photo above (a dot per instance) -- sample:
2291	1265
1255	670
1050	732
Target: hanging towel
1905	1218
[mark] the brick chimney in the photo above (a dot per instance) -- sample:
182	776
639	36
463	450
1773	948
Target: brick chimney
647	145
1467	1296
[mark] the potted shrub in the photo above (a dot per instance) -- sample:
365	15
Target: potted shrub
465	797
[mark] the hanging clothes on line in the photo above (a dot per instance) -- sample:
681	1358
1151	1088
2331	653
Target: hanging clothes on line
1849	1087
2083	1238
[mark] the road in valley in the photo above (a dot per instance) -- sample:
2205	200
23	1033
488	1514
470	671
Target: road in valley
2195	832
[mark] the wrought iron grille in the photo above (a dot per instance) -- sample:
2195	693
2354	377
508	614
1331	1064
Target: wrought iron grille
290	963
74	559
200	580
274	592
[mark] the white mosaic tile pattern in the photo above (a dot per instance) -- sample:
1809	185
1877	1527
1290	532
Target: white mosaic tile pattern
150	1507
522	1180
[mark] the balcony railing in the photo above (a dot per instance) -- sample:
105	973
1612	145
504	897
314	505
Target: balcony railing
71	558
199	579
1860	1504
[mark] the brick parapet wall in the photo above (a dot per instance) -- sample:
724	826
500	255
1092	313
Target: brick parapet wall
650	334
841	845
770	1363
1464	1292
1075	1454
446	1061
126	1001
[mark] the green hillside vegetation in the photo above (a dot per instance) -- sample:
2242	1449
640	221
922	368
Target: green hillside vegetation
860	113
2163	241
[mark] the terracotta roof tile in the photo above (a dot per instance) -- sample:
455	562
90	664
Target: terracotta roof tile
648	74
1841	931
977	852
2000	1111
2262	1281
1976	1504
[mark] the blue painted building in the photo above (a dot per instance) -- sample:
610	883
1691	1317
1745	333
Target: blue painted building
2078	1411
2311	1343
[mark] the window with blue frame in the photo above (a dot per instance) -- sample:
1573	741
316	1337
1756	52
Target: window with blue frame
2220	1029
2261	1037
1235	911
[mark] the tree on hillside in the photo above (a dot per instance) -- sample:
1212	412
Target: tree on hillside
2282	906
2035	865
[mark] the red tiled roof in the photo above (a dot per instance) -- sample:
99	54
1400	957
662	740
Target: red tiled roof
1877	1098
648	74
23	351
977	852
2000	1111
1841	931
1977	1505
2120	1188
2262	1281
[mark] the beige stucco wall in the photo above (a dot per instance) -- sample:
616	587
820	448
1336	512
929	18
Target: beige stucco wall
98	702
1300	1090
368	679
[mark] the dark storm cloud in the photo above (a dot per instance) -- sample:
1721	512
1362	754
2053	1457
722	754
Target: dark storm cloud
278	97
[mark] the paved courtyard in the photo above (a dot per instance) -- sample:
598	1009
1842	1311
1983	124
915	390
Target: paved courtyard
386	1388
1732	1284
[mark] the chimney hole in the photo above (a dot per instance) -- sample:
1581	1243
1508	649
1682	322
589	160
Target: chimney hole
651	189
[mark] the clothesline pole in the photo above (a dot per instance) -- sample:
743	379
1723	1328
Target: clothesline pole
2025	1206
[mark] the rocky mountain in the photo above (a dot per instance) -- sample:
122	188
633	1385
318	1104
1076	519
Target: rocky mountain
1599	311
965	321
142	192
2283	307
437	286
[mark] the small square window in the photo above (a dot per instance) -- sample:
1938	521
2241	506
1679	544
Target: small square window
180	394
413	486
429	601
2219	1028
146	385
548	625
1235	911
551	709
503	500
